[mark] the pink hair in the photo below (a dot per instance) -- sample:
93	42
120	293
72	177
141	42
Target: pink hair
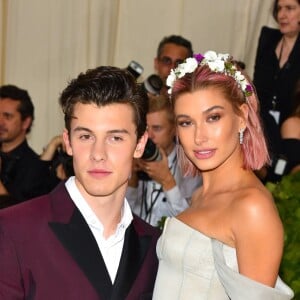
254	147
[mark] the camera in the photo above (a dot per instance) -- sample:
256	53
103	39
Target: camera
135	68
151	153
153	84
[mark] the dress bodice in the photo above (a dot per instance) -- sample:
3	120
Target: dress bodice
186	264
194	266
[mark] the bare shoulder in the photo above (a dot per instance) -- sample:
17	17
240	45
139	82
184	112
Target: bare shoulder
254	205
257	234
289	127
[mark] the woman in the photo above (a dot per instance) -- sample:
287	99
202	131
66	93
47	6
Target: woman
228	244
290	133
277	65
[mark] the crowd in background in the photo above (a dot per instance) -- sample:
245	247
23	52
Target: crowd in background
158	186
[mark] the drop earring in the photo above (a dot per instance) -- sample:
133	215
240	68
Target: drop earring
241	136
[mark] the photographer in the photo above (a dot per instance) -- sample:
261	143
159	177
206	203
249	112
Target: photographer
157	187
57	160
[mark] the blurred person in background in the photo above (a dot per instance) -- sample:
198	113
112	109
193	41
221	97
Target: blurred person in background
290	133
22	174
171	51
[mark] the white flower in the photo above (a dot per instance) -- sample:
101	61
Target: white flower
171	79
239	76
217	65
191	65
216	62
210	55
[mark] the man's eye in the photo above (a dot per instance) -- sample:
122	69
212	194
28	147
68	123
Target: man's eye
85	136
157	129
116	139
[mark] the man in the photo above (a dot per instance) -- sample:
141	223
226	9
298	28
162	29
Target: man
165	192
81	241
22	174
171	51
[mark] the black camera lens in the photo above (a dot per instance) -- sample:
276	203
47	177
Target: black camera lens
153	84
151	152
135	68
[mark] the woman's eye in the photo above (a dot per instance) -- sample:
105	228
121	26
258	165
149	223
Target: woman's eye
214	118
184	123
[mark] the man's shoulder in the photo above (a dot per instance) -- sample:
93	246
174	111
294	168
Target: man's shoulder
25	213
32	210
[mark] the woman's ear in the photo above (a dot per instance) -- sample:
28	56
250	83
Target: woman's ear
244	115
140	147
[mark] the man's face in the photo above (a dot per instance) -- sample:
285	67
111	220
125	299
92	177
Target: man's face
12	127
160	130
103	142
170	57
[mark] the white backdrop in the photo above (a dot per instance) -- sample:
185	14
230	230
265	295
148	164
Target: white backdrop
44	43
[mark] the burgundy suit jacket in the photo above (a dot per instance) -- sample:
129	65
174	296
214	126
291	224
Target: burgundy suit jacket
47	251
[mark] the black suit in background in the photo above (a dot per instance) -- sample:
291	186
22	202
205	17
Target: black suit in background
275	85
23	174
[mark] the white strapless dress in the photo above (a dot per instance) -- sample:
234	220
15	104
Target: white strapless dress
187	269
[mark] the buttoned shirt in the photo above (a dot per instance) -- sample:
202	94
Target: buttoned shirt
110	248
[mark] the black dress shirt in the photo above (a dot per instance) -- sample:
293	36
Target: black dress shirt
23	174
275	85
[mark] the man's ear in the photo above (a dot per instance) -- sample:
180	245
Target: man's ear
140	147
66	139
26	123
156	64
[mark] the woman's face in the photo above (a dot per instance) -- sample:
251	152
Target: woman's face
288	16
208	128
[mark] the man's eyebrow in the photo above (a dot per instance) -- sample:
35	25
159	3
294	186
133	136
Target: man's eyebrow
81	128
118	131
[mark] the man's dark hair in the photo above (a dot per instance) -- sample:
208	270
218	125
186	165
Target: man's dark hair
177	40
26	107
103	86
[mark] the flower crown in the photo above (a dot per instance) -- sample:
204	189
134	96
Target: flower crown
221	63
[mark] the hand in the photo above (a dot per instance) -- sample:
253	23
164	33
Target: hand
134	180
159	171
3	190
53	145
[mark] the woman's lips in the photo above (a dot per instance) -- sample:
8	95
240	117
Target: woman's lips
204	154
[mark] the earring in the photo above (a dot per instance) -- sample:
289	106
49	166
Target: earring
241	135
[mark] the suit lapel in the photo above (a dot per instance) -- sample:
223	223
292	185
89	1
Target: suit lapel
133	254
79	241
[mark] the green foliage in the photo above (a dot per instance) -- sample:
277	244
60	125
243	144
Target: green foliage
287	198
161	223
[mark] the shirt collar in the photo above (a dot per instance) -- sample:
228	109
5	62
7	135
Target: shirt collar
89	215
